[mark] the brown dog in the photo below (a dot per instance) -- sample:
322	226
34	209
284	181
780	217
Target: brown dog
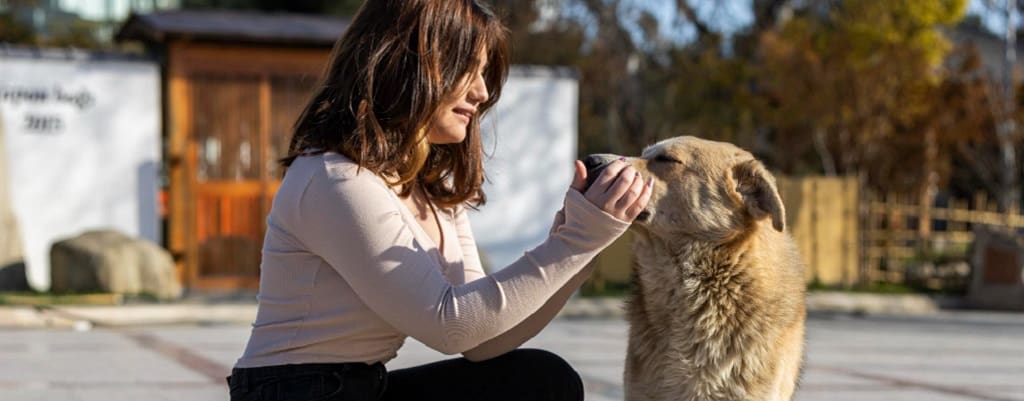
717	311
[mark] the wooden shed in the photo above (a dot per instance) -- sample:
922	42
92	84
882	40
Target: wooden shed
234	83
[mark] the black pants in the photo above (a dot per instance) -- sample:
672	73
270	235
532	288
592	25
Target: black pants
520	375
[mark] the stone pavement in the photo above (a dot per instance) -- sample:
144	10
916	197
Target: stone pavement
241	308
943	356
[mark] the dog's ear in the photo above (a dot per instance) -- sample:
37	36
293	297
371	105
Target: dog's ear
756	189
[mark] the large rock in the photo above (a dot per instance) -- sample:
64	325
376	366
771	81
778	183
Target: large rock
109	261
156	271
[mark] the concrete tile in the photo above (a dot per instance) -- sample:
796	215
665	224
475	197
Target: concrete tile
38	394
816	378
165	393
131	366
848	359
875	395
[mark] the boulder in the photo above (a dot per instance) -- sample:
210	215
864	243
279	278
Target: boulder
156	271
109	261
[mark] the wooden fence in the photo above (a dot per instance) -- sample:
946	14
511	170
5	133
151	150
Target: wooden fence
848	237
908	243
822	217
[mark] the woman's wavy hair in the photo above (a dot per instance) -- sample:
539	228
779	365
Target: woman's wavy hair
388	75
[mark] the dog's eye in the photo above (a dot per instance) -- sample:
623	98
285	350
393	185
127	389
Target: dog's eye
666	159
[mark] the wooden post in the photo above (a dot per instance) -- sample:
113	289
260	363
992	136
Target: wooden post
923	242
891	227
873	260
926	196
980	206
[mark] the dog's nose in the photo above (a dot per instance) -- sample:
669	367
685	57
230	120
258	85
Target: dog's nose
595	163
598	161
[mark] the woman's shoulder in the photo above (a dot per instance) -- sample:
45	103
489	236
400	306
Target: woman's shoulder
333	167
331	180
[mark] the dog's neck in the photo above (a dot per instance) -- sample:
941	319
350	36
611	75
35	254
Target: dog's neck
690	276
652	250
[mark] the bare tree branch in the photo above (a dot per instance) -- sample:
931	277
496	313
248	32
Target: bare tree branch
766	13
691	15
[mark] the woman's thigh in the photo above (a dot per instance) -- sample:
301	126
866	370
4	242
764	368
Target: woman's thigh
307	382
520	375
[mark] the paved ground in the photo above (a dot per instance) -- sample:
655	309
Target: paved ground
961	356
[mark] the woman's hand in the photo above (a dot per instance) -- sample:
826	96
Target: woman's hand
619	190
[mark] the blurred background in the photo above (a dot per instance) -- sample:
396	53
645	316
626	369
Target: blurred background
139	139
893	126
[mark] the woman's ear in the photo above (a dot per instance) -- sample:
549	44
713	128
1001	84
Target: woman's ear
756	187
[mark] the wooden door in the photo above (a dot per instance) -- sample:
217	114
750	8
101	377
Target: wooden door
241	126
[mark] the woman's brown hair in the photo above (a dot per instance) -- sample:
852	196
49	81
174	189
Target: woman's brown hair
388	74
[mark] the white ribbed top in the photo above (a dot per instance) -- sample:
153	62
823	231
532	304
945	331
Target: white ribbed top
348	274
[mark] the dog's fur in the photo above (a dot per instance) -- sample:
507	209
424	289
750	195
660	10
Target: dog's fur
717	311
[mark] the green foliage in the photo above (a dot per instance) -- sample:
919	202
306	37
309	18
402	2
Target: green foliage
855	88
910	25
47	298
336	7
77	33
868	90
879	287
12	31
607	289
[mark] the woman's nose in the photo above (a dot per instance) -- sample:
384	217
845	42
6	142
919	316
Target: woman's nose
478	90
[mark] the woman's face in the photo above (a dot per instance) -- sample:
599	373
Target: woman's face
453	117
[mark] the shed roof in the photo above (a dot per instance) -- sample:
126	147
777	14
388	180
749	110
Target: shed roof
234	27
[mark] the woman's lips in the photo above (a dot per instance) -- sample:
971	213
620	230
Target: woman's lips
465	114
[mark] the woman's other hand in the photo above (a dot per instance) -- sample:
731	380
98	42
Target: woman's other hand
619	190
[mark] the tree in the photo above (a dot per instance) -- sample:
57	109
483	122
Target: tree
336	7
76	32
12	31
861	87
851	83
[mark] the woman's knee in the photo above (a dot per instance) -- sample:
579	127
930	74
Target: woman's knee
551	368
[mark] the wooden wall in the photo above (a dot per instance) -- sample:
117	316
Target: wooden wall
229	113
822	217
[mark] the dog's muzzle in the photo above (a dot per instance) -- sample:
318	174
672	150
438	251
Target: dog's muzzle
595	164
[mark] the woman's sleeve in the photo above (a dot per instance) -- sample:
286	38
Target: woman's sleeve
472	266
355	225
528	328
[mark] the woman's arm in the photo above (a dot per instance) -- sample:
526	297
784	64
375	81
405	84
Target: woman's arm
533	324
523	332
353	222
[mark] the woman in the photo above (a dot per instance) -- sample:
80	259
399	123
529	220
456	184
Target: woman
368	240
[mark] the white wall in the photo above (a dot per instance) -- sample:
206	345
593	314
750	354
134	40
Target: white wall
532	133
82	148
105	10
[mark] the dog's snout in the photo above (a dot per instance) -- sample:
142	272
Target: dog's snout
595	163
599	160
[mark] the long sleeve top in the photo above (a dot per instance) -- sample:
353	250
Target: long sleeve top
347	273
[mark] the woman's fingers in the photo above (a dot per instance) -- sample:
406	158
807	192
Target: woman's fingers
632	193
619	188
604	181
640	203
579	180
